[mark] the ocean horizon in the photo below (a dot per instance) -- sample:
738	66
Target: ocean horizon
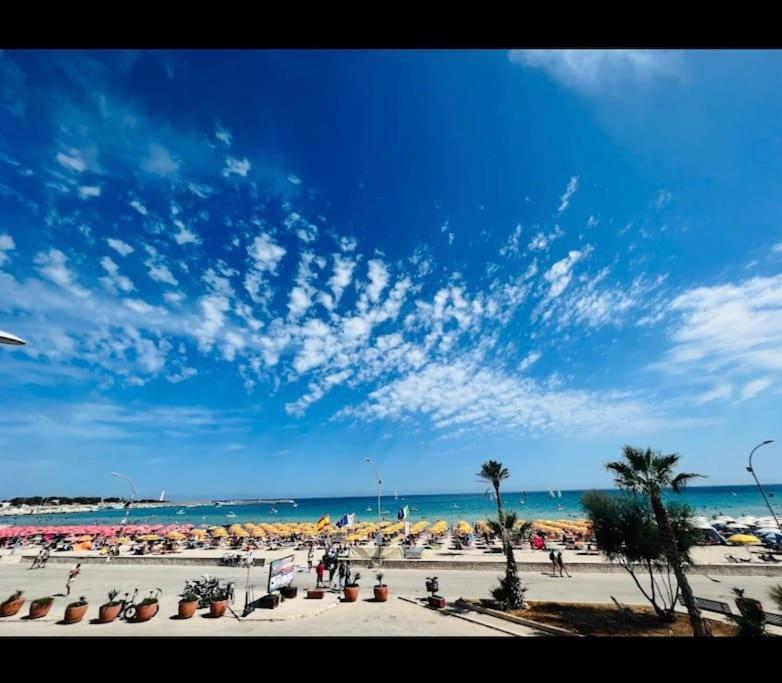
703	500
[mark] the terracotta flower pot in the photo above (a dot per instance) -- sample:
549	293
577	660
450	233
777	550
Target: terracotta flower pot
351	593
11	607
108	613
146	612
74	615
217	608
381	593
39	609
187	609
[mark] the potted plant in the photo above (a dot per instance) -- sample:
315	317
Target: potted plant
109	611
147	608
381	590
40	608
12	605
75	612
188	604
351	589
218	604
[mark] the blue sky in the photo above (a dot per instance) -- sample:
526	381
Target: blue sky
240	273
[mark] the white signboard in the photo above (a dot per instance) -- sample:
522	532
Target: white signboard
281	573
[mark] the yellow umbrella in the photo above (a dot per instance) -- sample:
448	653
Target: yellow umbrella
149	537
175	536
743	539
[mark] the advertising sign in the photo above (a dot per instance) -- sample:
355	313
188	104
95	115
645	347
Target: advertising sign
281	573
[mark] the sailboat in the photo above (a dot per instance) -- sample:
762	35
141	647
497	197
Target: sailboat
551	493
559	494
273	511
163	495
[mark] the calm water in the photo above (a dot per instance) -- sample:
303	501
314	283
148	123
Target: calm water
707	500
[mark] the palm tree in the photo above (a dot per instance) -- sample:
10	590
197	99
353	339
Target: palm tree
517	531
510	591
647	473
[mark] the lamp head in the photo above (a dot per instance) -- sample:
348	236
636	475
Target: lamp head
767	441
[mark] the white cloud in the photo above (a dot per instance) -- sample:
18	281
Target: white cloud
717	393
159	272
238	167
115	279
174	298
734	327
468	395
159	161
591	71
755	387
663	197
185	236
52	264
6	244
343	274
87	191
73	161
182	375
136	204
265	253
200	189
511	247
542	241
570	190
223	135
122	248
561	273
529	360
777	248
348	244
378	279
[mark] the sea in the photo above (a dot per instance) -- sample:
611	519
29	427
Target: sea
709	501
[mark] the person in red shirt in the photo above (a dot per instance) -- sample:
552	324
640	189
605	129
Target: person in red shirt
319	574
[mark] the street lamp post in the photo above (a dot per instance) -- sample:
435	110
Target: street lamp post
751	470
132	493
11	339
379	482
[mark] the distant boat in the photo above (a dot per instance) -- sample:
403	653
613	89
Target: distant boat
396	495
162	495
273	511
733	493
295	505
551	493
180	512
369	509
559	494
231	515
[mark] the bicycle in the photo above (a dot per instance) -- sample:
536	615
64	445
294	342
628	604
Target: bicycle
128	609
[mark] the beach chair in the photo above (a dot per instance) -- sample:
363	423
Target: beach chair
773	619
715	606
413	553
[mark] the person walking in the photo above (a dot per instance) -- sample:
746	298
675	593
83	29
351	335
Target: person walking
561	565
343	573
310	557
332	571
319	574
44	558
553	558
75	571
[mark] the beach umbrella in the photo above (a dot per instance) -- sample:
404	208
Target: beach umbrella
766	530
736	525
743	539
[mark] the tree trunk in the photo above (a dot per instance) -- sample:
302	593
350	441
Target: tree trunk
512	583
699	627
